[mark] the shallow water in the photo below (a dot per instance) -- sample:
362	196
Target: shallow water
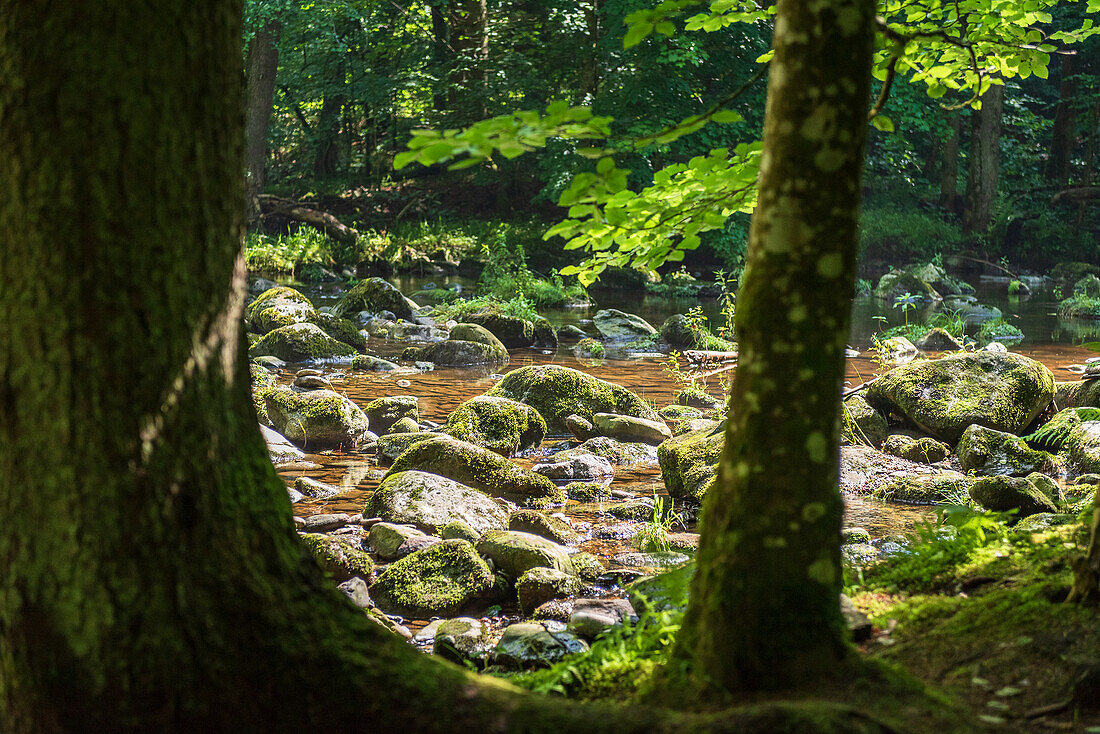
444	389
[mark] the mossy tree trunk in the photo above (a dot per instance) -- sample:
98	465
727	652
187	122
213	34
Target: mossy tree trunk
262	63
764	611
985	161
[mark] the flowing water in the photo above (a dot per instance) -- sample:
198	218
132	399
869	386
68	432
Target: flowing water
444	389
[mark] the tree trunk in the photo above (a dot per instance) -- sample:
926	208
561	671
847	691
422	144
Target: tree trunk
949	171
263	61
764	611
326	159
441	52
471	49
1060	154
590	64
985	161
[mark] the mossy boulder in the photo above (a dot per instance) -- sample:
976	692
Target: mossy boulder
373	364
513	552
938	278
535	645
1083	447
386	538
475	333
588	491
456	353
430	501
925	450
984	451
462	639
273	295
1003	493
862	423
575	465
1079	394
546	526
630	429
898	283
278	312
938	340
1066	274
383	413
498	424
478	468
299	343
512	331
589	349
677	334
405	425
392	445
616	452
557	392
340	329
443	580
316	419
545	336
680	455
927	489
338	556
374	295
539	585
945	396
617	326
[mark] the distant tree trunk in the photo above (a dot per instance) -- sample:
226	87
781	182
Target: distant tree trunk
949	171
985	161
590	68
764	611
263	61
1060	154
441	52
471	49
326	159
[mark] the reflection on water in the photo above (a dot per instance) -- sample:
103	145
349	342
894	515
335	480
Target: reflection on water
444	389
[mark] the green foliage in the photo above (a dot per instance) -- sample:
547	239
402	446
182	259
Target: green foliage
306	249
899	231
653	535
517	306
999	329
1079	306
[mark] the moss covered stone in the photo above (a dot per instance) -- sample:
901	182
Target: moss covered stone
534	645
338	556
279	293
374	295
680	454
460	530
927	489
373	364
299	343
545	336
1083	448
498	424
475	333
1002	494
478	468
899	283
539	585
556	392
512	331
982	450
455	353
386	538
340	329
278	312
588	491
943	397
392	445
589	349
630	429
925	450
616	452
938	340
862	423
384	412
513	552
617	326
536	523
430	501
317	418
444	579
405	425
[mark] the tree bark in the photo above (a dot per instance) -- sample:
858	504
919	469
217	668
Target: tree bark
441	52
985	161
764	610
1060	154
590	64
949	171
471	49
263	61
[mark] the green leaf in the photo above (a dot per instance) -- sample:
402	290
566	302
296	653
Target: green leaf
636	33
883	123
726	116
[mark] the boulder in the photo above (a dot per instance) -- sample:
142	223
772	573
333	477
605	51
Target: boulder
575	467
279	449
899	283
617	326
475	333
338	556
373	364
278	294
1002	494
513	552
588	491
677	334
571	333
316	419
394	444
430	501
925	450
499	424
590	617
535	645
557	392
314	489
386	538
299	343
545	336
405	425
384	412
631	429
454	353
374	295
478	468
546	526
277	312
617	452
938	340
512	331
539	585
679	455
862	423
1083	447
927	489
581	428
442	580
462	639
984	451
945	396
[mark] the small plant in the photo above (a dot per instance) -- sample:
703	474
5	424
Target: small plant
1014	287
906	302
652	536
517	306
999	329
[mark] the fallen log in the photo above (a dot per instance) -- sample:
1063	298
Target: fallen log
322	220
696	356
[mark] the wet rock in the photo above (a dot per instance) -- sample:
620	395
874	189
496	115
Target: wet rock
557	392
546	526
615	451
677	334
356	590
316	419
1083	447
904	282
859	554
938	340
314	489
386	538
462	639
680	413
375	295
1002	493
393	445
535	645
864	469
945	396
679	455
697	399
416	543
590	617
862	423
631	429
617	326
312	382
405	425
294	495
443	580
545	336
581	428
540	584
279	448
588	492
298	343
587	566
478	468
475	333
457	354
664	592
460	530
513	552
384	412
897	349
925	450
512	331
1048	487
986	451
576	467
325	523
430	501
655	559
372	364
569	333
557	610
498	424
589	349
338	556
639	510
926	489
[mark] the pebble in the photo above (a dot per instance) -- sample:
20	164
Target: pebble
404	383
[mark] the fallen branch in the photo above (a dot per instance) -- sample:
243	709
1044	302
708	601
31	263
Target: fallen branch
316	218
695	356
857	388
1078	194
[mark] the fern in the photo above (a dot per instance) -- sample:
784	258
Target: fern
1052	437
